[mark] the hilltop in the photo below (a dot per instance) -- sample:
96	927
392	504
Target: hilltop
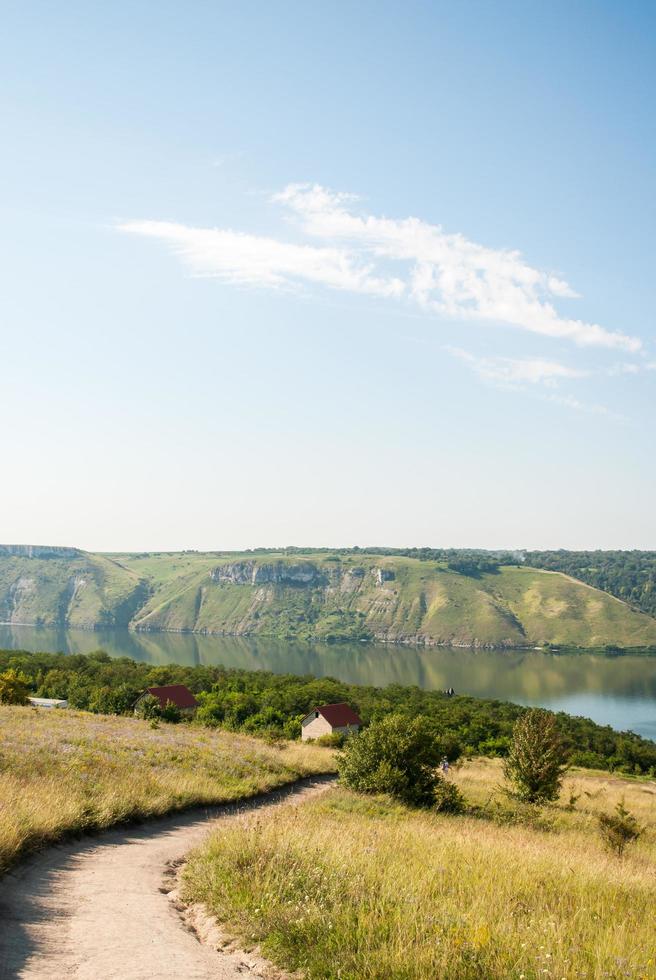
324	595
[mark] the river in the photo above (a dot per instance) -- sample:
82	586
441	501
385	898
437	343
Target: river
619	691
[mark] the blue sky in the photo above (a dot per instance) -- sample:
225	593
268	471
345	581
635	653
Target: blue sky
294	273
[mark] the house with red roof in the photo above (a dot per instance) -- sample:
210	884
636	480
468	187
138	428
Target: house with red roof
176	694
330	719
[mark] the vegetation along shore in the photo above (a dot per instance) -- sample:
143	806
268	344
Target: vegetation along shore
272	705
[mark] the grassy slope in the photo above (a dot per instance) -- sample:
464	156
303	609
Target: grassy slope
65	771
355	887
54	591
518	606
424	601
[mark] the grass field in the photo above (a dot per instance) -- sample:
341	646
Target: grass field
355	887
64	772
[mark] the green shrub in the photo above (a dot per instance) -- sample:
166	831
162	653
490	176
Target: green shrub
334	740
619	829
535	765
149	707
395	755
447	798
171	713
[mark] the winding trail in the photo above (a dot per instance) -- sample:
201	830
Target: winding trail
102	907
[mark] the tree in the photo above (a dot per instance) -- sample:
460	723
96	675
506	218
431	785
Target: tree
619	829
14	687
397	755
536	758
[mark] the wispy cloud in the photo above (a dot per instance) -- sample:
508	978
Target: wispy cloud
512	371
253	260
445	275
524	373
569	401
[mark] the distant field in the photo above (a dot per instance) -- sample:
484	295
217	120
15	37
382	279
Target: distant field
63	772
348	887
321	595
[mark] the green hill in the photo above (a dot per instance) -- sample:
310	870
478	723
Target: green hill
321	595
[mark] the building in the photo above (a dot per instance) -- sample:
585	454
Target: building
48	702
176	694
330	719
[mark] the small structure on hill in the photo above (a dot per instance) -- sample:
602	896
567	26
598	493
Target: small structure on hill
48	702
176	694
330	719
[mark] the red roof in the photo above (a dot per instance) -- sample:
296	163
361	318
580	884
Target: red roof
177	694
339	715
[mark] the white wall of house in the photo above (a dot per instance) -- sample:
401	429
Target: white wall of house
315	727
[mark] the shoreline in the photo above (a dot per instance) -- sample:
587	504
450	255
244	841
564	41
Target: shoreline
610	651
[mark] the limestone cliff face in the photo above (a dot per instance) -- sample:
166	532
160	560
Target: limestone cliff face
270	573
37	551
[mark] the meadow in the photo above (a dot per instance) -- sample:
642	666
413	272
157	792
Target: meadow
67	772
361	887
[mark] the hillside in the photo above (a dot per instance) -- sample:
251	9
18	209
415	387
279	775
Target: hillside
321	595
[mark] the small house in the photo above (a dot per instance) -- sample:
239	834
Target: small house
176	694
48	702
330	719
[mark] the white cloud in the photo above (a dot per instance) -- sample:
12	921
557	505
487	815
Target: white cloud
445	275
257	261
450	275
517	370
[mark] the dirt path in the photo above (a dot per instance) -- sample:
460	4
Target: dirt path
100	908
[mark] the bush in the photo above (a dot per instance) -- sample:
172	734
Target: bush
171	713
396	755
536	760
14	687
149	707
619	829
447	798
333	740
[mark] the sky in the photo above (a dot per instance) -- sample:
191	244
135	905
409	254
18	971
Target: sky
328	274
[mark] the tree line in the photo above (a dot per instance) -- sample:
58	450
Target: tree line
273	705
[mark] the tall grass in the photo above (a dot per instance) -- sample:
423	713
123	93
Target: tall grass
63	772
354	887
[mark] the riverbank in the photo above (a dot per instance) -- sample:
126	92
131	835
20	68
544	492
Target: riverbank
618	692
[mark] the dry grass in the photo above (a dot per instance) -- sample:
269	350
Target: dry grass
62	772
351	887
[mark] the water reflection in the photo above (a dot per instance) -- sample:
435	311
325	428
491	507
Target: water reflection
619	691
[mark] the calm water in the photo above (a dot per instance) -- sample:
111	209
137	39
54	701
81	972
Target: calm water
620	692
